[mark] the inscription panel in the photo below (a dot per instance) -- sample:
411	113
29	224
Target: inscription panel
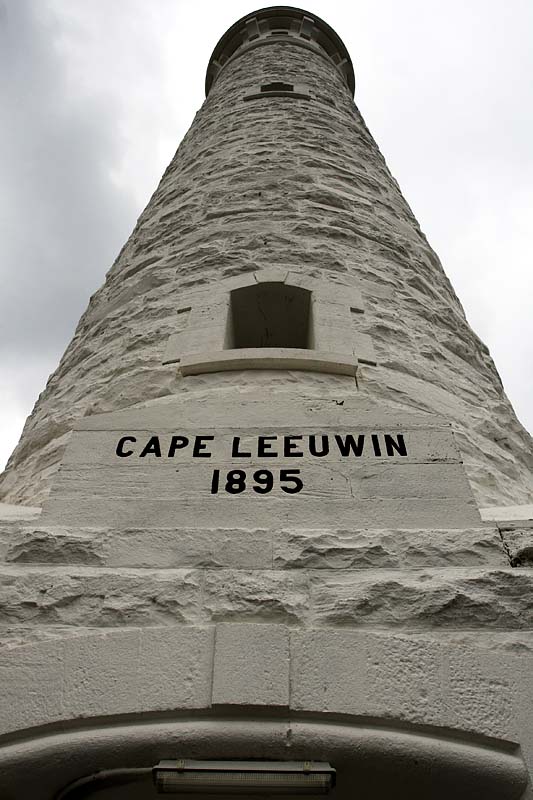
357	471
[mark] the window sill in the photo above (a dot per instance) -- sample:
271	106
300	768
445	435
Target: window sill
268	358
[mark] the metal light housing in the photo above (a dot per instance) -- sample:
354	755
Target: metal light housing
184	776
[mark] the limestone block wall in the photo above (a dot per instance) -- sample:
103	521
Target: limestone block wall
126	697
294	183
407	652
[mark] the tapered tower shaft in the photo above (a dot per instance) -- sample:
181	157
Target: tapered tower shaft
261	543
278	170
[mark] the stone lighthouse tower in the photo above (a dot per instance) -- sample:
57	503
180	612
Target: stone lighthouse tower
270	515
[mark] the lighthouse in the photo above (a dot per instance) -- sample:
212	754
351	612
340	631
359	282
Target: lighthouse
269	523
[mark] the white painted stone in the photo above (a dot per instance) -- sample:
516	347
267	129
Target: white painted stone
388	549
257	596
251	666
203	344
417	599
270	358
141	547
519	545
310	509
32	679
382	676
399	714
488	699
100	597
327	670
169	548
364	348
248	549
188	342
362	485
383	249
504	513
272	275
57	546
95	682
16	513
175	667
340	405
455	598
411	645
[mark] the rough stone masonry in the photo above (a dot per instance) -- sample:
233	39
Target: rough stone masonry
286	182
260	464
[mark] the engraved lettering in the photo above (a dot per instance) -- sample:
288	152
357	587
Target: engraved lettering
235	452
313	448
398	445
289	446
120	446
348	444
263	442
176	443
200	445
152	448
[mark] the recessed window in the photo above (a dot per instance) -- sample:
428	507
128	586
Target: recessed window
277	86
296	91
269	315
272	319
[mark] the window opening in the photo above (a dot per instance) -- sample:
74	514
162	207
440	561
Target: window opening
277	86
297	91
270	315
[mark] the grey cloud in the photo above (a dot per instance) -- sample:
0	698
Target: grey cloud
63	220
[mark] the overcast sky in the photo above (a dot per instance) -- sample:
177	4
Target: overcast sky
97	94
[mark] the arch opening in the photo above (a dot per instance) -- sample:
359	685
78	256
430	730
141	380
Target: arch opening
270	315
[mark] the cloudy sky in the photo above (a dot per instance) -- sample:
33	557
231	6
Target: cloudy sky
97	94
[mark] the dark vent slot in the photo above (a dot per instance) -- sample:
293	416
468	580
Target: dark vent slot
277	87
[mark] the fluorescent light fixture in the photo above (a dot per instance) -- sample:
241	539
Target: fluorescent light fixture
243	777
